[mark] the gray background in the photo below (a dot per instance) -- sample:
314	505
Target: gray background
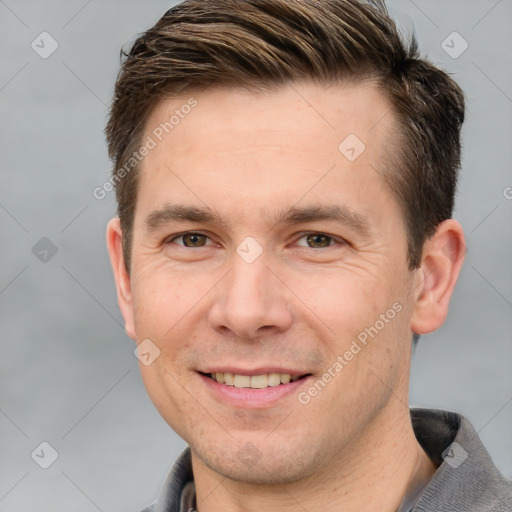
68	374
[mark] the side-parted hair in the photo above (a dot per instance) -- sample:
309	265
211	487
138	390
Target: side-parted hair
265	44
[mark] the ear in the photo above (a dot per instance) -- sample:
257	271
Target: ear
443	255
123	283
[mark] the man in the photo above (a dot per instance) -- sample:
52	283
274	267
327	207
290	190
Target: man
285	173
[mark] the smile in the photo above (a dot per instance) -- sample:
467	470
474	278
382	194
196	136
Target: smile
254	381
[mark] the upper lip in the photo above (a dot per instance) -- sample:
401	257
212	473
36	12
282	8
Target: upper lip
254	371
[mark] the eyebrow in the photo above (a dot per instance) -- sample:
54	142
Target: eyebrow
293	215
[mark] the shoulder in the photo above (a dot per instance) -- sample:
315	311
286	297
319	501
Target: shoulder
174	485
466	479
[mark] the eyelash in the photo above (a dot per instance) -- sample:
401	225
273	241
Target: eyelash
339	241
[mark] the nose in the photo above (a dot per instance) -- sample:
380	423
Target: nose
251	301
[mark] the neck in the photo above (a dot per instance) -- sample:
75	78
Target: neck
383	468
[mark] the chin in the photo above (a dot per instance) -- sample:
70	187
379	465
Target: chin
244	463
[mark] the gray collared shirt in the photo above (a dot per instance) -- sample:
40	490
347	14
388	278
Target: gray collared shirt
466	479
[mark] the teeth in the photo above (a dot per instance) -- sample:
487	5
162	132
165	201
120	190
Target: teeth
259	381
254	381
242	381
274	379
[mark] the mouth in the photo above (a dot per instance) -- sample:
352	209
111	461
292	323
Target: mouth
261	381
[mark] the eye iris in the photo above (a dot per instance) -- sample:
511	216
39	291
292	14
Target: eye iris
314	239
196	238
193	237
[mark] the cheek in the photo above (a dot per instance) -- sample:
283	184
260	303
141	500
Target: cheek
367	323
158	304
160	314
345	302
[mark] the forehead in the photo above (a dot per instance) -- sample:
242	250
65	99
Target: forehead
244	149
319	116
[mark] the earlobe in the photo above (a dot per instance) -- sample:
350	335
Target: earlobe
443	255
123	283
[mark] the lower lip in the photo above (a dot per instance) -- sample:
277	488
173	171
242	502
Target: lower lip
251	398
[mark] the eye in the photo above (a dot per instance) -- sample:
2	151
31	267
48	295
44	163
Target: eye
320	240
190	239
314	240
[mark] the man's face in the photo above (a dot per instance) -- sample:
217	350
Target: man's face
253	295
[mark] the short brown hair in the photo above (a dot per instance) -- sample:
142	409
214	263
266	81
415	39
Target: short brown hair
267	43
